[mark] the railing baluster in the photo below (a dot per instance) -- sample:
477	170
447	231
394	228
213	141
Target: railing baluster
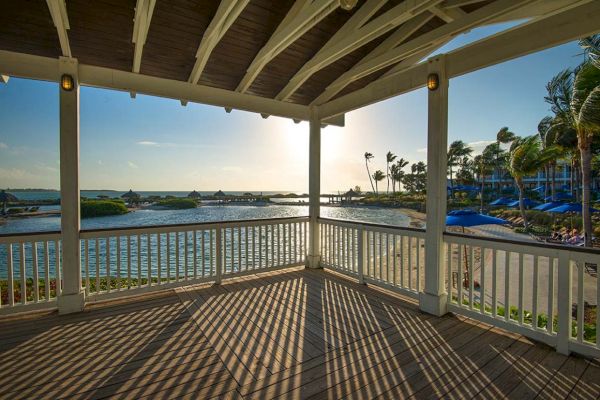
580	302
507	285
168	248
177	256
460	273
418	240
36	275
86	256
118	263
534	300
129	261
57	267
239	248
449	285
97	251
46	271
203	253
139	260
195	253
213	270
410	263
158	258
471	267
186	253
11	288
22	273
149	258
107	246
402	261
482	281
219	256
494	283
550	305
521	287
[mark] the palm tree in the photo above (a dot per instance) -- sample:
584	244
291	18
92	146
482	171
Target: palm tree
527	157
397	172
377	177
483	164
546	139
456	153
389	158
497	158
368	157
585	108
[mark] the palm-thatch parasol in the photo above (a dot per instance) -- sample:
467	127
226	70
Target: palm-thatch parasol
194	195
6	197
219	194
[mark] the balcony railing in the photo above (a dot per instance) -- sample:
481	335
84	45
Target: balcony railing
547	292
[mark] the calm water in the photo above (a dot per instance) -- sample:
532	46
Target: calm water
206	213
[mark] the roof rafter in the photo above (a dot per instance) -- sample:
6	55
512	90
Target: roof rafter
58	12
422	43
225	16
459	3
536	35
356	33
400	35
447	14
143	15
303	15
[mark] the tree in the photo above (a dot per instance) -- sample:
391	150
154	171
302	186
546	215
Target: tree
497	158
456	153
527	157
389	158
585	108
397	172
483	164
378	176
369	157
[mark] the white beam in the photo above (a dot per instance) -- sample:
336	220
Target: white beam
303	16
143	15
4	78
356	33
433	299
448	15
421	43
400	35
414	59
533	36
314	189
58	12
72	298
459	3
225	16
44	68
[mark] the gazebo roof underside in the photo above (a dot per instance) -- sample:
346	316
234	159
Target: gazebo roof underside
264	48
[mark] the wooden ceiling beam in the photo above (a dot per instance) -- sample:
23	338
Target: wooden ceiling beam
143	15
302	17
225	16
533	36
357	32
421	43
399	36
447	14
459	3
58	12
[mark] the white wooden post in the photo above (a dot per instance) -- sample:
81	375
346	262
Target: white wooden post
433	300
314	189
72	298
219	256
565	300
362	251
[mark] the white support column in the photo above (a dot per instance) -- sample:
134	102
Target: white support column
314	189
72	298
433	299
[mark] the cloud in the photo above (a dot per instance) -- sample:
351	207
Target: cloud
479	145
3	145
132	165
148	143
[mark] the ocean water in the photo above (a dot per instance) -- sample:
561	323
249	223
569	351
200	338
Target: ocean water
92	194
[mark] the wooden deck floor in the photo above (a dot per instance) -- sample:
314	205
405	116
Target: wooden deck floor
293	334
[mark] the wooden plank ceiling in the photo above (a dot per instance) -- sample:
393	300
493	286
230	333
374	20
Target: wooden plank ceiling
100	33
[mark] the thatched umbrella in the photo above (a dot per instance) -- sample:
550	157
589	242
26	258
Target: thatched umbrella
5	197
219	194
131	196
194	195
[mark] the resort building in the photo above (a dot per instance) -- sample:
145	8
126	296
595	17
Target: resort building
294	307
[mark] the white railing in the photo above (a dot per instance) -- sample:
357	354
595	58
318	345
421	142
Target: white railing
133	260
391	257
527	288
32	276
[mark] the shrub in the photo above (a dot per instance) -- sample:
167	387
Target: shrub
179	204
102	208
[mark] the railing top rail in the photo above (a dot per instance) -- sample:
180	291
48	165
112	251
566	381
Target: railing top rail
546	246
370	224
22	235
211	224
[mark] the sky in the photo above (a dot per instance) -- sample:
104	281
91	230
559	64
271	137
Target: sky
150	143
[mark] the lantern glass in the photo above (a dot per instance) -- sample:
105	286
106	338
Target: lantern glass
66	82
433	81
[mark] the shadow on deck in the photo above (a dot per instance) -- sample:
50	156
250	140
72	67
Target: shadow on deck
292	334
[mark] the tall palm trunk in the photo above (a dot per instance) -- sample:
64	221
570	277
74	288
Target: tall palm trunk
519	182
369	173
586	172
388	177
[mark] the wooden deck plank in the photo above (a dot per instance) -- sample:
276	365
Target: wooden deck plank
287	334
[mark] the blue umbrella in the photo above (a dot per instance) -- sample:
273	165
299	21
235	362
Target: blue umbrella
527	202
502	201
559	196
471	218
548	206
569	207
